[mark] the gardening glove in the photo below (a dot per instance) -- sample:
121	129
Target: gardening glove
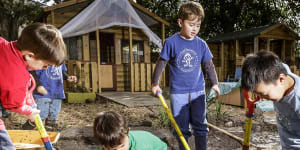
42	90
216	88
31	117
72	79
155	89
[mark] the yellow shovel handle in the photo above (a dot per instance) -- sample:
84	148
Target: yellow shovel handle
177	129
40	126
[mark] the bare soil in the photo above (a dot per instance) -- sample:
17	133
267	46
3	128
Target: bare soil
75	121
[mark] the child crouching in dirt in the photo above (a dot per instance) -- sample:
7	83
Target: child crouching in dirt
264	74
112	131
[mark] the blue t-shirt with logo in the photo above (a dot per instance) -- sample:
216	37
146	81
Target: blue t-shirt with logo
185	58
52	79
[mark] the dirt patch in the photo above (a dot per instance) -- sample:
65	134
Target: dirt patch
75	121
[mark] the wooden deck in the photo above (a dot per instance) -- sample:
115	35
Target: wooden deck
136	99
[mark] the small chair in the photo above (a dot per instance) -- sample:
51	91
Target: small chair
237	76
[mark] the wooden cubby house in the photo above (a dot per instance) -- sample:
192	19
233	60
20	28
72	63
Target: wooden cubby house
115	57
230	49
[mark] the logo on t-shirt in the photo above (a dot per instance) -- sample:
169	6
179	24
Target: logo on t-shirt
187	60
53	72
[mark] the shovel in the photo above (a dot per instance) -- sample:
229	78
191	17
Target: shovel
42	130
38	120
177	129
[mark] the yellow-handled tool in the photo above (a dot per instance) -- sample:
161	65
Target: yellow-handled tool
177	129
42	130
249	116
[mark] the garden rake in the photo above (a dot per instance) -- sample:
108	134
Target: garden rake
177	129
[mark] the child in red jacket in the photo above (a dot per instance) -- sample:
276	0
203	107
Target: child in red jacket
39	46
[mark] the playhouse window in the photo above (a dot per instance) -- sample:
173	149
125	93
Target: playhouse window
137	51
74	48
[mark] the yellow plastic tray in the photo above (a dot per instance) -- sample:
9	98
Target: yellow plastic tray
30	139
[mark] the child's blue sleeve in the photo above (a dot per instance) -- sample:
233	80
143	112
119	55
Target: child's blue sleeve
63	67
206	53
166	51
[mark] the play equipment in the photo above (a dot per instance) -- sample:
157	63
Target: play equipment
30	139
45	137
37	119
177	129
249	116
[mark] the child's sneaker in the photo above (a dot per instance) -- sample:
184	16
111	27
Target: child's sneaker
28	125
5	114
51	124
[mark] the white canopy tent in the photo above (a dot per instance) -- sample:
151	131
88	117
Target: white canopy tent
102	14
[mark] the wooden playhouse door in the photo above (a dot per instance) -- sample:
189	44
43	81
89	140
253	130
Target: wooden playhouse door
107	54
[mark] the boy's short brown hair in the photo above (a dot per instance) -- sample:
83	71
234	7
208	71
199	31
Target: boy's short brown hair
109	128
190	10
45	41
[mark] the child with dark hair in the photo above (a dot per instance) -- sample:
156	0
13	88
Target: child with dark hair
39	46
264	74
112	131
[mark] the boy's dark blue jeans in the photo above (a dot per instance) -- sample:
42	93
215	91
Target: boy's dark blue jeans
190	108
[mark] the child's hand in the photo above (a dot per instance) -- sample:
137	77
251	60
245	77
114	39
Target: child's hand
42	90
31	117
216	88
155	89
72	79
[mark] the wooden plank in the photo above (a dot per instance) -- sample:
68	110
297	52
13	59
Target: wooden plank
118	50
163	37
136	77
129	99
131	61
283	50
268	44
293	48
147	52
149	77
237	48
107	76
222	61
94	72
86	49
143	77
52	17
79	74
277	37
99	61
256	44
120	78
87	76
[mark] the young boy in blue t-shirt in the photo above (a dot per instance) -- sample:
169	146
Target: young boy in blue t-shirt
185	52
49	93
265	75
